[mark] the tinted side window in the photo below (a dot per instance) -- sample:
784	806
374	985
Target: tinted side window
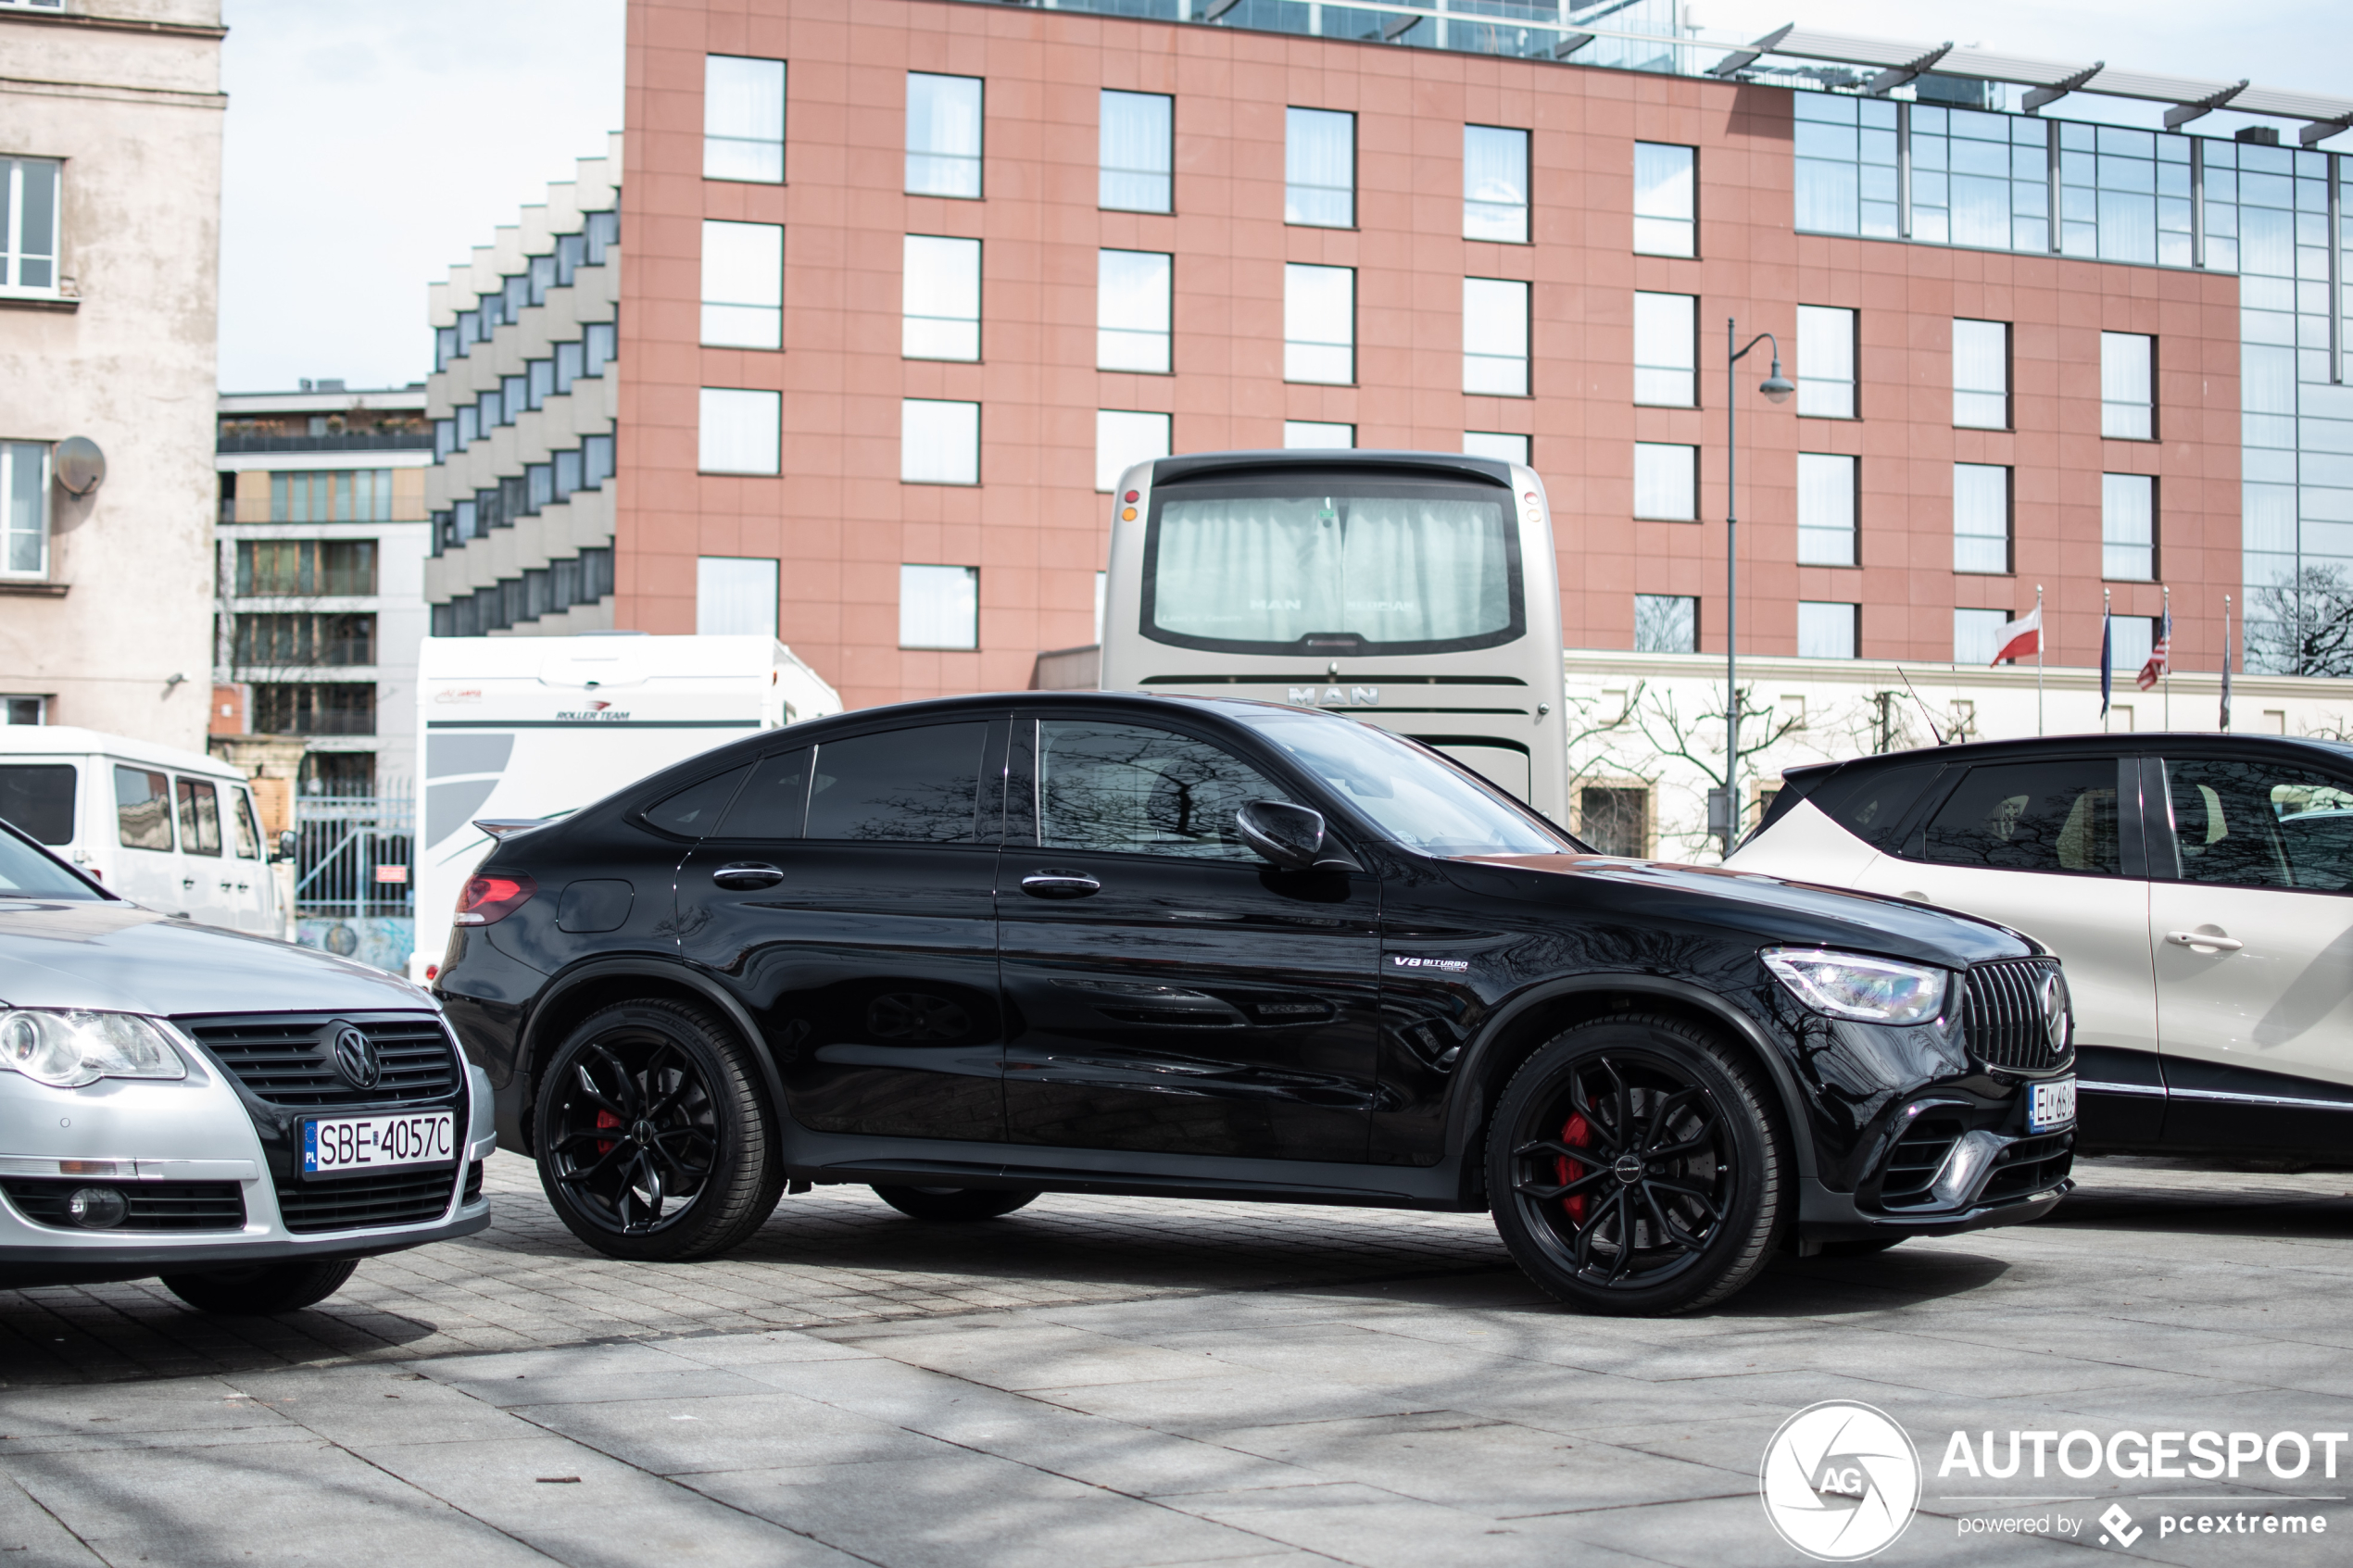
2260	824
199	816
143	807
1128	789
1873	803
694	810
774	801
2058	816
905	786
38	799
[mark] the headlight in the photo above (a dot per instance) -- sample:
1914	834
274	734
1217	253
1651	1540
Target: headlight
68	1049
1866	989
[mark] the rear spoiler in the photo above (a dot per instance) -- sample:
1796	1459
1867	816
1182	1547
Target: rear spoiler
504	828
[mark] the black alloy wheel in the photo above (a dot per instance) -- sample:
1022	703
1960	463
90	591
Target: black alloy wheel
653	1142
1636	1168
953	1203
261	1290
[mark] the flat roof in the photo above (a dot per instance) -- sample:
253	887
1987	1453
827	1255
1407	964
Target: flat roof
337	401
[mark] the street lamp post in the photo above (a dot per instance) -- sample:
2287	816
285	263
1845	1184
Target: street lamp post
1778	389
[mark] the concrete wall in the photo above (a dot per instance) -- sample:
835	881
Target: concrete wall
135	110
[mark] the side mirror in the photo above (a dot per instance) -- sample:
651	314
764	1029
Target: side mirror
1291	836
287	843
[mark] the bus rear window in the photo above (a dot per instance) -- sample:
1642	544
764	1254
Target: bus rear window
1319	564
38	799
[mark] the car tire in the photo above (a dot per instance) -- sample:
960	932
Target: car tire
262	1290
654	1142
1616	1233
954	1203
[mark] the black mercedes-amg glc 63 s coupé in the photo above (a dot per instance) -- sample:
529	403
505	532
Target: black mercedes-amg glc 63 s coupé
972	950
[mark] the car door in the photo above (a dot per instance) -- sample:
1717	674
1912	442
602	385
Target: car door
2052	846
207	879
147	866
848	895
2251	934
1167	989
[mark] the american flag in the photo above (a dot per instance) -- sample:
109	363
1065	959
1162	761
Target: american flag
2161	656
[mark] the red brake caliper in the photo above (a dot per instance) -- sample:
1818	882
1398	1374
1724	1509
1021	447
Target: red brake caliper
1576	1134
606	1118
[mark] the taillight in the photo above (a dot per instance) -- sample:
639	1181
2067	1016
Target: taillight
489	899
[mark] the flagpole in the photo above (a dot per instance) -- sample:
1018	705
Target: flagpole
2168	674
2041	640
2226	664
2107	657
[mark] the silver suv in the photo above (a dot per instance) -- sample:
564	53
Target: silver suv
246	1119
2198	888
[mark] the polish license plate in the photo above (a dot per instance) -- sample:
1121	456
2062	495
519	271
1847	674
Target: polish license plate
332	1147
2051	1106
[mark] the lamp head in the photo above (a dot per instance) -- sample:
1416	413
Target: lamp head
1773	386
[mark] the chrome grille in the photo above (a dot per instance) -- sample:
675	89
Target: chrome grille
2004	1016
288	1058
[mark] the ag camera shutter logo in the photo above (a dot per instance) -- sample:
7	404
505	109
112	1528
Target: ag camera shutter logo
1840	1481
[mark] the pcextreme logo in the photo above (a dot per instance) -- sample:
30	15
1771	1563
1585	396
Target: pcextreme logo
1840	1481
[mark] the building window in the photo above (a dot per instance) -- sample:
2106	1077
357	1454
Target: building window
1123	439
939	605
1315	435
349	495
1980	517
1502	447
1319	323
314	708
542	380
35	710
1495	337
743	120
939	443
1826	506
1666	624
29	224
943	135
1666	482
514	393
740	430
2130	640
1981	374
1494	184
1615	821
1319	169
24	491
1667	349
308	568
292	640
939	299
2128	527
1132	309
2128	387
1827	631
1977	634
598	341
1826	361
1846	174
743	285
1666	200
1138	152
1982	179
735	596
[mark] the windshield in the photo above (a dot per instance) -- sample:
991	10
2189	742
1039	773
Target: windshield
26	872
1332	563
1414	797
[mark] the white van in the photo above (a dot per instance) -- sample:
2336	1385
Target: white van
524	728
170	829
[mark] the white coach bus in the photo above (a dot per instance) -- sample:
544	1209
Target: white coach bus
1415	590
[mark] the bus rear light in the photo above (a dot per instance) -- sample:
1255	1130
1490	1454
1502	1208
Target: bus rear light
1133	498
487	900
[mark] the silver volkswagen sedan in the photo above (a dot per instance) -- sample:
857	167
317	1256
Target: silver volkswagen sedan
244	1119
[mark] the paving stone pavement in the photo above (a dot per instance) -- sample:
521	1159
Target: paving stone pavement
1114	1382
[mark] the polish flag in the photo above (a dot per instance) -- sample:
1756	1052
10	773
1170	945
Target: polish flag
2022	638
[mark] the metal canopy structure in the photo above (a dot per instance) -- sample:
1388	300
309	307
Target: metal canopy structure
2189	97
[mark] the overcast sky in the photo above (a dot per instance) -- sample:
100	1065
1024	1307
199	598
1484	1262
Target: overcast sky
369	146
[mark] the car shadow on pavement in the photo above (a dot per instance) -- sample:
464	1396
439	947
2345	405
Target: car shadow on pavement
138	1330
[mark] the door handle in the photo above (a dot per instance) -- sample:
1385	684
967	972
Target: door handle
186	883
1059	885
746	876
2205	939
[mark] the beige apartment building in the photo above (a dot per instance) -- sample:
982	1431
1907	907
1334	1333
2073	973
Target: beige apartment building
110	128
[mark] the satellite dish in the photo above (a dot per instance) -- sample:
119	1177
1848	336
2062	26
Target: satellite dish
79	465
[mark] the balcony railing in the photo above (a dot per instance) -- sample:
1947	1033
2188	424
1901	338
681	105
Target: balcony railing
347	441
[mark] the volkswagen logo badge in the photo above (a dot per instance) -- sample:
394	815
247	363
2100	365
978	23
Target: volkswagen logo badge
355	1057
2054	1002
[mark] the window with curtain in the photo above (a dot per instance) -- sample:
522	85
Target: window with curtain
1981	374
1138	152
1319	323
743	120
1123	439
741	430
24	491
336	496
1494	183
743	286
939	299
1666	624
2128	387
1977	634
1826	504
939	606
29	224
1980	517
1828	631
2128	527
1666	200
734	596
943	135
1826	361
1317	435
1292	566
1502	447
938	442
1495	337
1666	482
1133	290
1319	169
1667	349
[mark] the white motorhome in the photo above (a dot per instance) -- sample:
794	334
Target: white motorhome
535	727
170	829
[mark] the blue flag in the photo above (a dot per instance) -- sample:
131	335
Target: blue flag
2107	677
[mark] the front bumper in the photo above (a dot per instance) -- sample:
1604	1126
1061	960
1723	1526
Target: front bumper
1824	1215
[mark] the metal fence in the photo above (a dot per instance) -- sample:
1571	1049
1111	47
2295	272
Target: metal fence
352	855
